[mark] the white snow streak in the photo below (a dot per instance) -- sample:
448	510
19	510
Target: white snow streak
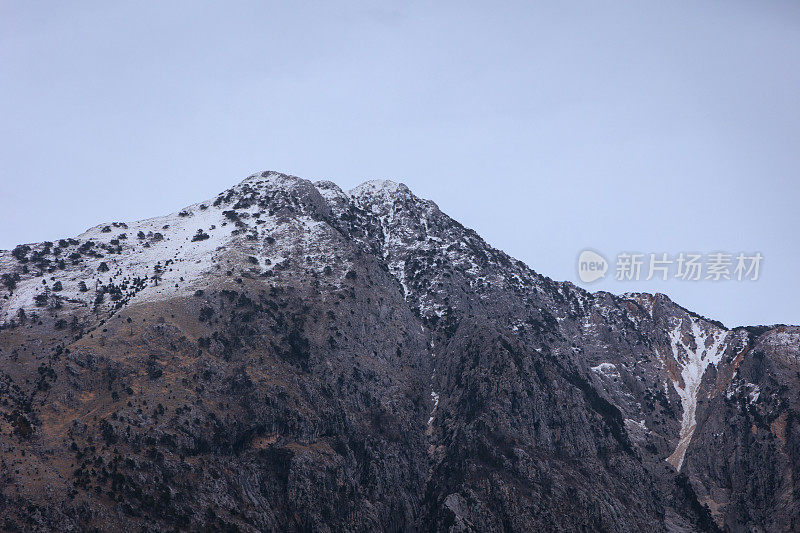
693	359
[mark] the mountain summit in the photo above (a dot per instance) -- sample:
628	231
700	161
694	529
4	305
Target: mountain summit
288	356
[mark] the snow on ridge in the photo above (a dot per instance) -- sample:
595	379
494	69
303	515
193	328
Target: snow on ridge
167	254
163	255
376	187
177	249
268	176
331	192
693	358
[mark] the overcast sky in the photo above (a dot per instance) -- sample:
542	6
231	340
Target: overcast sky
667	127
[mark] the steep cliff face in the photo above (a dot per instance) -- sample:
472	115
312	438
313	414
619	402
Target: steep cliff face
290	356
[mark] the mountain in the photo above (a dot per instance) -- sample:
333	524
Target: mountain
288	356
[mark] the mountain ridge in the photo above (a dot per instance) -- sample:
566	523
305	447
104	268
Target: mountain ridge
369	333
367	188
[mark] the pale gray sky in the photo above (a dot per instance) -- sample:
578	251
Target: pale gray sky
620	126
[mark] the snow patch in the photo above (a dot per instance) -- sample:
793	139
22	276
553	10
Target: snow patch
435	399
608	370
753	393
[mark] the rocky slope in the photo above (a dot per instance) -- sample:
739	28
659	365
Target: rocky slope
290	356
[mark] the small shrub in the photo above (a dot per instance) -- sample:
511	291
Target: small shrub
200	236
21	253
206	313
22	426
10	280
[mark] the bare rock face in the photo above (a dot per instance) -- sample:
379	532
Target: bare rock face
290	356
